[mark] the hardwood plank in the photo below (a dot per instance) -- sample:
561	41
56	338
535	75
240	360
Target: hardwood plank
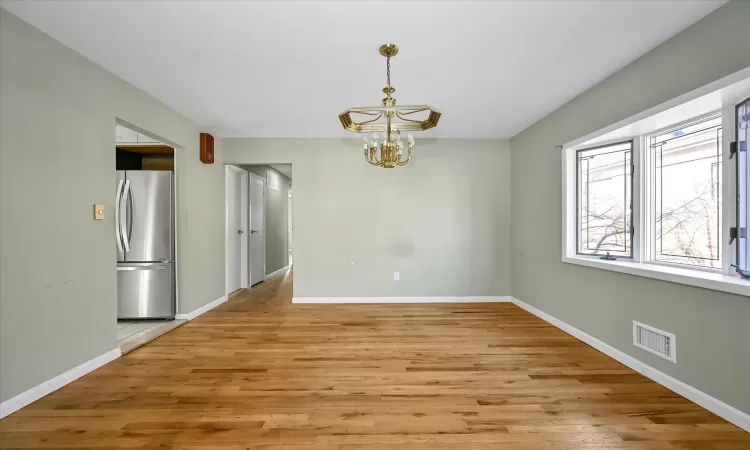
261	373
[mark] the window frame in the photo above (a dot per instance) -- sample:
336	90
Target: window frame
647	174
721	279
630	141
734	114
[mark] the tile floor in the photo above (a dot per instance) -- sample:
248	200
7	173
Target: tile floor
127	328
133	333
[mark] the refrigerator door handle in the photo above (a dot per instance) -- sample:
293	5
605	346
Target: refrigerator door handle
118	232
143	266
126	238
131	207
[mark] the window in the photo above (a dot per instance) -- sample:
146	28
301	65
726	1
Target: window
665	196
605	200
684	192
680	190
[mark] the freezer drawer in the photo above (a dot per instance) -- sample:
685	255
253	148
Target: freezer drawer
144	290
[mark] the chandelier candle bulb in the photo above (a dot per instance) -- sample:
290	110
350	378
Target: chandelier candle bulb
387	121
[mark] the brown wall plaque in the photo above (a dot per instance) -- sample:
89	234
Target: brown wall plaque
207	148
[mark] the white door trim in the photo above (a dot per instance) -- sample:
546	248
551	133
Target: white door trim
175	212
244	268
265	219
176	149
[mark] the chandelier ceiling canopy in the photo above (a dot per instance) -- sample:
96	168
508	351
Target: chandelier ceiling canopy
387	122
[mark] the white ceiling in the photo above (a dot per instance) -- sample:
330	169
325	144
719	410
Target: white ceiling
287	69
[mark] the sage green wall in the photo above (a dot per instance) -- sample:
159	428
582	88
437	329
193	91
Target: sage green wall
711	327
277	216
441	221
57	265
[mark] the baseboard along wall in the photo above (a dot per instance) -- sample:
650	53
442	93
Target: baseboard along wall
198	311
339	300
30	396
277	273
716	406
25	398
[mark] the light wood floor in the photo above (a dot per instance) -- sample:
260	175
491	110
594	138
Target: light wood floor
261	373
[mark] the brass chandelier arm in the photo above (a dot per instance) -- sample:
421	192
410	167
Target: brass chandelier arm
427	108
404	123
373	120
377	127
371	157
374	163
405	161
376	109
406	119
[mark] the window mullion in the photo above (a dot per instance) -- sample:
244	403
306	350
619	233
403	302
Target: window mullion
639	203
729	189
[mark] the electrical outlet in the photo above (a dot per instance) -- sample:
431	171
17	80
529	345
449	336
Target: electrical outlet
396	276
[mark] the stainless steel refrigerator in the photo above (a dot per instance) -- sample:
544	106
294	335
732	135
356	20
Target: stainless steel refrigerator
144	228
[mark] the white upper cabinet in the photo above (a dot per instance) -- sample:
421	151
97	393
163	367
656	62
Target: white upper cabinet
125	135
143	139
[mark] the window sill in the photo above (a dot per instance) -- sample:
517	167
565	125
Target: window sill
706	280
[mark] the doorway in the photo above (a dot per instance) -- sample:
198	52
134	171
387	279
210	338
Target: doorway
145	237
267	224
257	229
236	228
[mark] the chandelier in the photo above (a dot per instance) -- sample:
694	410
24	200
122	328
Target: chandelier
386	122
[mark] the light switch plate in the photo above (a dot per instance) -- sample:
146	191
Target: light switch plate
98	212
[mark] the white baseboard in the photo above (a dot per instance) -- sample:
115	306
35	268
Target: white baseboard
716	406
25	398
197	312
279	272
485	299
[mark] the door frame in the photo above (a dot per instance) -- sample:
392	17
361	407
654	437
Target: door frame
244	220
265	220
290	227
176	151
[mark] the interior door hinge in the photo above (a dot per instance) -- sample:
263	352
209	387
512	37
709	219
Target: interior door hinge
732	149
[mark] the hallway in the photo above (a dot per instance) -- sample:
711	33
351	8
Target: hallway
259	372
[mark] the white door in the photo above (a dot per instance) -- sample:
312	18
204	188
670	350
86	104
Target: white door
235	231
257	231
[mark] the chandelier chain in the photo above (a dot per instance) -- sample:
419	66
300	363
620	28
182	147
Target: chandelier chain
388	70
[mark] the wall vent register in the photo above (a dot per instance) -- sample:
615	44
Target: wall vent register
655	341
